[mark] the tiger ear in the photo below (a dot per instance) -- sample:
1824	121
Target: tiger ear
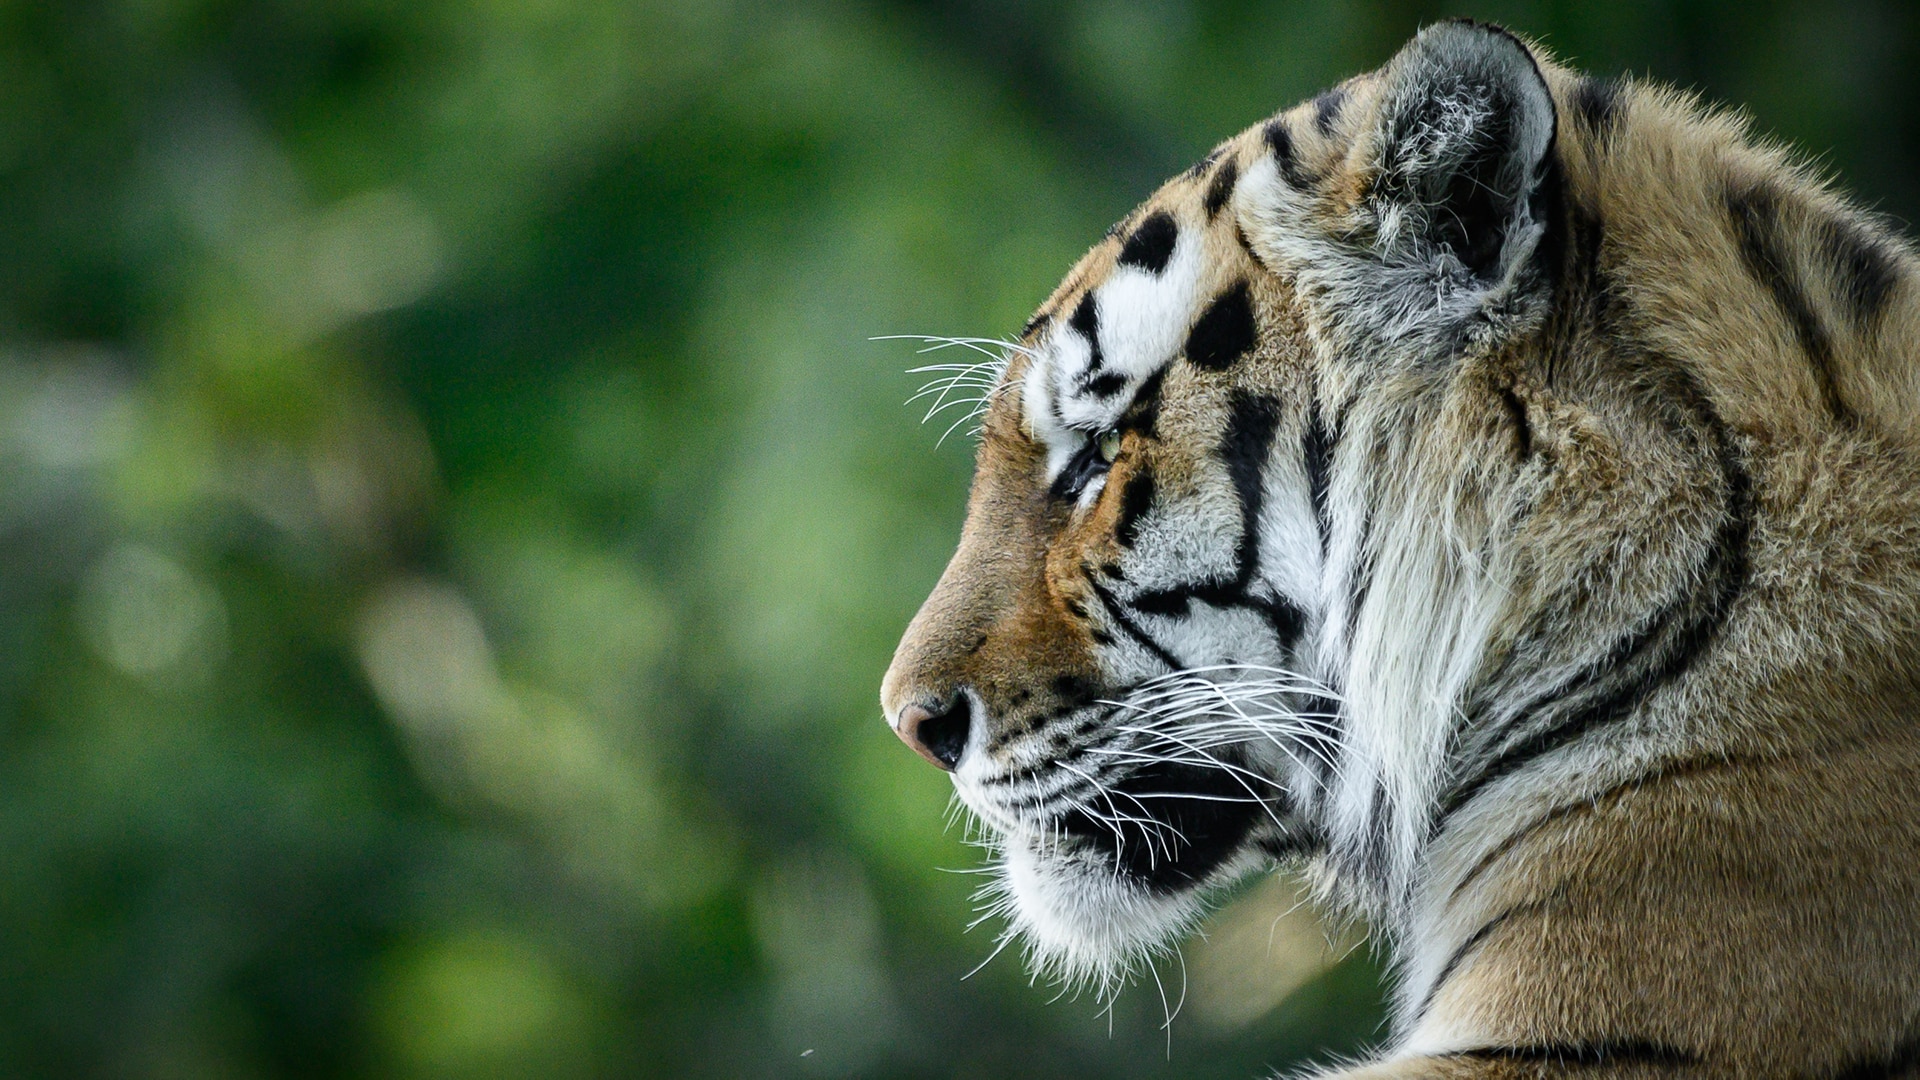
1458	188
1460	148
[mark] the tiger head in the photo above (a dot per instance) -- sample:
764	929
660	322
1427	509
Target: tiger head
1287	499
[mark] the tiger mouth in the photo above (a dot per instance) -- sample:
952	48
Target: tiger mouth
1172	825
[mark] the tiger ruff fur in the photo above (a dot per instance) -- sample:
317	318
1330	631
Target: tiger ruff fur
1498	487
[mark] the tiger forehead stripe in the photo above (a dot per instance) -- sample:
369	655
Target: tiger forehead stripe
1326	109
1107	384
1279	139
1220	188
1598	101
1086	321
1151	245
1225	332
1865	271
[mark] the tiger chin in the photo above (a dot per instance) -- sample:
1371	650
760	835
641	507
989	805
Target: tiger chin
1497	489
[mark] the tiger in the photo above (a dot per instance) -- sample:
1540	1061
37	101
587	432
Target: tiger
1496	490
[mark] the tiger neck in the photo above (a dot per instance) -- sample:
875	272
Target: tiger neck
1796	310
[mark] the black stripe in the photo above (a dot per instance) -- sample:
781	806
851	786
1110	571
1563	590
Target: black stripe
1598	104
1317	450
1169	603
1661	774
1380	822
1466	948
1326	109
1136	498
1225	331
1286	620
1547	204
1174	600
1587	305
1642	663
1019	727
1901	1061
1069	790
1131	628
1247	246
1864	270
1073	690
1086	320
1754	210
1151	245
1220	189
1280	141
1106	385
1628	1051
1360	574
1522	430
1329	724
1039	320
1359	581
1619	698
1252	422
1143	412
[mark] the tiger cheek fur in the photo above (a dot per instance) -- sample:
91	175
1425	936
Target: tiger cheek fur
1495	486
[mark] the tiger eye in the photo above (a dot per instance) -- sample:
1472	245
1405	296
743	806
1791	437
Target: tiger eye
1109	445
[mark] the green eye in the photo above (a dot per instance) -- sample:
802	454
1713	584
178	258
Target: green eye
1109	445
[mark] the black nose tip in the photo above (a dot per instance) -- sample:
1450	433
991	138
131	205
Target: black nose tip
939	737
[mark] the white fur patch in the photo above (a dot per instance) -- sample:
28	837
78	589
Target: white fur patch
1142	323
1082	924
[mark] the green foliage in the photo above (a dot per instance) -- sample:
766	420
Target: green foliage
454	519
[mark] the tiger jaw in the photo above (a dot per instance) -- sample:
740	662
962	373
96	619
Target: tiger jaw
1165	826
1102	861
1083	921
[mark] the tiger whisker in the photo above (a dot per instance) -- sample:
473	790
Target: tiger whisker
1221	733
1199	761
1194	797
1005	940
1150	826
972	385
936	342
1233	772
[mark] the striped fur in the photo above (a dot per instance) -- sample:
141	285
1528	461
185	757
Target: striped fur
1501	489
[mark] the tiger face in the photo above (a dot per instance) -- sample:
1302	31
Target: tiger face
1132	519
1142	662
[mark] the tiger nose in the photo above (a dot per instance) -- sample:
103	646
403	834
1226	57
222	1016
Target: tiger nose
937	733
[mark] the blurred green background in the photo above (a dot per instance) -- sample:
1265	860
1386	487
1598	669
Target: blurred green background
454	521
